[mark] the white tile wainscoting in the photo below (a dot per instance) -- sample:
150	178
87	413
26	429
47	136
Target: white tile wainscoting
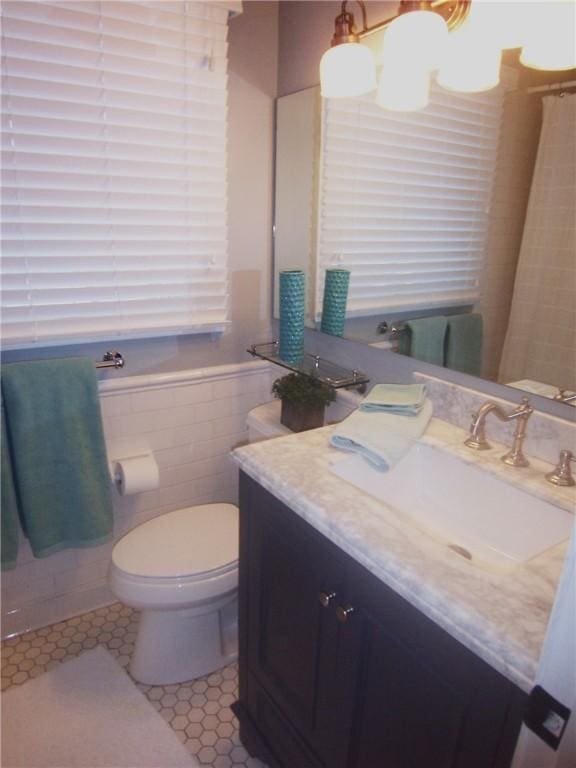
190	420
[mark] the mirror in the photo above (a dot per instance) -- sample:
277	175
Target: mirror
296	236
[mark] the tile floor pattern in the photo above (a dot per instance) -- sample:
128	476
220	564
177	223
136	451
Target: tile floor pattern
198	712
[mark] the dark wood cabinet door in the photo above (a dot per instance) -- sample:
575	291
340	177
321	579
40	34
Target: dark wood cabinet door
290	646
424	700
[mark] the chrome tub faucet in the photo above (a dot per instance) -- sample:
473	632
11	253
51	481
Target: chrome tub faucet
477	438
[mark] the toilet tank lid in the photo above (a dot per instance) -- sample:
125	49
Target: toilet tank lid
184	542
265	419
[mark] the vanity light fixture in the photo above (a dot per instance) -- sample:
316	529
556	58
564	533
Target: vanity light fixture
460	39
347	68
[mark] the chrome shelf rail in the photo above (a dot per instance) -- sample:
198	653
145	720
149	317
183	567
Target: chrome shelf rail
313	365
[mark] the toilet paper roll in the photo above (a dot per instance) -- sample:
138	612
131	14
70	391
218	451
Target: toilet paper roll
136	474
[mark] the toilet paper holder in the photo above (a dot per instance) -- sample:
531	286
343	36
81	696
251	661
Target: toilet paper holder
134	473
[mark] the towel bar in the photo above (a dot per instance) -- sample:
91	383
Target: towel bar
392	329
112	359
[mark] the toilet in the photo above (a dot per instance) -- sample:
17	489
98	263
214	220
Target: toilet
263	422
181	571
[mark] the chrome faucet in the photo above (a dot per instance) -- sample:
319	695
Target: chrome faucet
477	439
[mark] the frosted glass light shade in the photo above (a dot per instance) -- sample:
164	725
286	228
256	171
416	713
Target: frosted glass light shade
411	48
471	62
501	24
551	43
347	70
417	35
404	90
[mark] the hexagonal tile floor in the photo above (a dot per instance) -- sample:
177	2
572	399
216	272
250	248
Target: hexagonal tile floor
199	711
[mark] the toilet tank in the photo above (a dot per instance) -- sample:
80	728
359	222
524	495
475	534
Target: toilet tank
264	422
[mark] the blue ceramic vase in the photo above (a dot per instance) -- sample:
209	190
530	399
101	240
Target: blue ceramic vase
292	300
334	304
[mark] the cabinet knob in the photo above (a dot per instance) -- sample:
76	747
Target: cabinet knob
343	612
326	598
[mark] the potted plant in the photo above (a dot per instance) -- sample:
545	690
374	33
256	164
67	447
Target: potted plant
304	399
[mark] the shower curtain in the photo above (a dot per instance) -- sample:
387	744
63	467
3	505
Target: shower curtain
540	342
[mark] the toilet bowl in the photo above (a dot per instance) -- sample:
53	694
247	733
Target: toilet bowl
181	571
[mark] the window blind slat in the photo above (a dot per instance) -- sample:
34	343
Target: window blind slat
145	201
404	199
114	169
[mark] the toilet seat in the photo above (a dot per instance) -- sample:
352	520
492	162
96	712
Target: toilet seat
184	543
188	556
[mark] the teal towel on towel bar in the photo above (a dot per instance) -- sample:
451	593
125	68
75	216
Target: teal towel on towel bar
464	343
9	510
424	338
404	399
58	453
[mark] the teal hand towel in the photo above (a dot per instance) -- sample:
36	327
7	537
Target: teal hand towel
380	438
424	339
464	343
58	453
406	399
9	511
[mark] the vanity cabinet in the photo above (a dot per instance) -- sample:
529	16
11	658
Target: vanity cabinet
339	671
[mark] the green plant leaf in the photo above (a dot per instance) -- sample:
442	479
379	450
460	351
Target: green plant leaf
303	389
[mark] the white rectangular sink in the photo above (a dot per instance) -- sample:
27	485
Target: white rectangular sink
471	511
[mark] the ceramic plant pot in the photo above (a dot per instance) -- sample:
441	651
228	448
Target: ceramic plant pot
299	417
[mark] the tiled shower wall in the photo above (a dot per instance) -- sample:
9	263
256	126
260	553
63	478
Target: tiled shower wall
190	420
516	155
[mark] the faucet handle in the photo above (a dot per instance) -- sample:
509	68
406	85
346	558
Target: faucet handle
524	407
562	473
515	456
477	435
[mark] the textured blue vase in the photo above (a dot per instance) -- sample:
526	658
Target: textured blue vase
334	304
292	299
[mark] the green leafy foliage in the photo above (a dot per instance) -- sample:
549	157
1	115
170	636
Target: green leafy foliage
303	390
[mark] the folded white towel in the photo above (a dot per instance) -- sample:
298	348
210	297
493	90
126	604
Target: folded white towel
381	438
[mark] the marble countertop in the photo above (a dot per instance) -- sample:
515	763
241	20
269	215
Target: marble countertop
502	617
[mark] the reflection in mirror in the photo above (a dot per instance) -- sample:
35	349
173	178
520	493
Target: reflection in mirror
497	227
296	192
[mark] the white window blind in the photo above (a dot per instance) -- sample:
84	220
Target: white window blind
114	170
404	199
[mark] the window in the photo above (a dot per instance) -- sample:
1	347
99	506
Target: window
404	199
114	173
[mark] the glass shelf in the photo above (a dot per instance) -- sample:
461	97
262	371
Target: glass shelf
312	365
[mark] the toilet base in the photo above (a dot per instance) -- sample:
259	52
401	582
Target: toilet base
173	646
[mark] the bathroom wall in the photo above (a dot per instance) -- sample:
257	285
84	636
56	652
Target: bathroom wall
253	56
191	420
